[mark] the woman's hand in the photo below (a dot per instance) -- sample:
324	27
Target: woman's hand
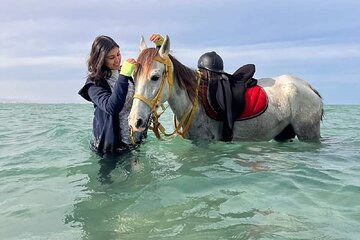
127	69
157	39
131	60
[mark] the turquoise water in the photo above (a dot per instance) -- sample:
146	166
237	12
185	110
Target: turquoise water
53	187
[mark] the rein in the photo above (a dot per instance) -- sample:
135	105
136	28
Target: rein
155	103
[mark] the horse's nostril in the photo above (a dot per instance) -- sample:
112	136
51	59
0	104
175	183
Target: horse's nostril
139	122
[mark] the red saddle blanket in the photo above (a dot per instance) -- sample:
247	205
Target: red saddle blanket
256	102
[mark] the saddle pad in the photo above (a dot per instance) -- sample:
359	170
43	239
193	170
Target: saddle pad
256	103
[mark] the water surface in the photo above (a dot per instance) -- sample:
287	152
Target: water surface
53	187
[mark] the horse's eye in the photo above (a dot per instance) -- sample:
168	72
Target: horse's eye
154	78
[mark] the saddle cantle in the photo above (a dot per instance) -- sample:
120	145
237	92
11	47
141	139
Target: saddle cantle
236	97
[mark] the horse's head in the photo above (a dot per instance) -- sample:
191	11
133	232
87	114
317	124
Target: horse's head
153	83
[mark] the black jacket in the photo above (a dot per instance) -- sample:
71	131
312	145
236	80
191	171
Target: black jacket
108	104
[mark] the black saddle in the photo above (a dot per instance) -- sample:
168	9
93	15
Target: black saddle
226	95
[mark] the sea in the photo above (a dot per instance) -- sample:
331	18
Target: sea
52	186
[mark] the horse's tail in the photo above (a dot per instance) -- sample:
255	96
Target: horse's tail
315	91
318	94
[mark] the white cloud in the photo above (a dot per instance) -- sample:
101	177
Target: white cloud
256	52
44	91
48	41
45	61
294	51
270	52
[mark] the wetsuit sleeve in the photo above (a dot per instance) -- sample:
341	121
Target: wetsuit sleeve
110	102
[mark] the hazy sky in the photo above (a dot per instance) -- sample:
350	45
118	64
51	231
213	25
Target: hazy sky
44	45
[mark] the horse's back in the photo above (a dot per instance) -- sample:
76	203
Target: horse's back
290	89
296	99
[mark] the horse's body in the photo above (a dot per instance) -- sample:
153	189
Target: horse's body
294	107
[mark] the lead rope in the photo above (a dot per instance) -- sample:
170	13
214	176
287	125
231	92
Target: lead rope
191	111
188	115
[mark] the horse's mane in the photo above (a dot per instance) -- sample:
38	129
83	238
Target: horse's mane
185	76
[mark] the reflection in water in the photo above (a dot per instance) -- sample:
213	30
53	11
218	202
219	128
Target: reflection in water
126	160
106	186
192	190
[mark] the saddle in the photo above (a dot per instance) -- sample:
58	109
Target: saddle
229	98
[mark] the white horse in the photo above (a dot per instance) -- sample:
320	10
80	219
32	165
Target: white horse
294	107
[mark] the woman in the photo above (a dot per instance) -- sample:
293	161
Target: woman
111	92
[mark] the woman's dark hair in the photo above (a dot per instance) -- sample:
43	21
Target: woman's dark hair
100	48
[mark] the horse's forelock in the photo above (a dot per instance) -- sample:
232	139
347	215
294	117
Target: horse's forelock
145	60
186	76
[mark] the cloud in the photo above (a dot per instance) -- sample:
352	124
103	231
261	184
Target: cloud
294	51
276	52
42	91
269	52
44	61
46	44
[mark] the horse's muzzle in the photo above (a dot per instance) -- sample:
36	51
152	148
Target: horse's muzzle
139	125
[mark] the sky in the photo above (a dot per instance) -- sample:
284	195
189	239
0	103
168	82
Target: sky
44	45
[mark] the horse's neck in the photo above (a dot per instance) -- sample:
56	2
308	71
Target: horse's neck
200	126
179	100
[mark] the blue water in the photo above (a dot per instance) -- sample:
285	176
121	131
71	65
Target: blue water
53	187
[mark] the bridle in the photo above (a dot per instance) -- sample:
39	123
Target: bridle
155	103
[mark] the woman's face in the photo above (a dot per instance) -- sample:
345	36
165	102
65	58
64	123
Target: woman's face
113	59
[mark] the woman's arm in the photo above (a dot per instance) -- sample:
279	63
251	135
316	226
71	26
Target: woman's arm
110	102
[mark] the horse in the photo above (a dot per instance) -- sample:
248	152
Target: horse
294	109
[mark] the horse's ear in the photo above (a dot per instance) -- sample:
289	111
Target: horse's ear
142	44
165	47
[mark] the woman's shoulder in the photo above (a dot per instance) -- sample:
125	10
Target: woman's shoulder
102	83
90	83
